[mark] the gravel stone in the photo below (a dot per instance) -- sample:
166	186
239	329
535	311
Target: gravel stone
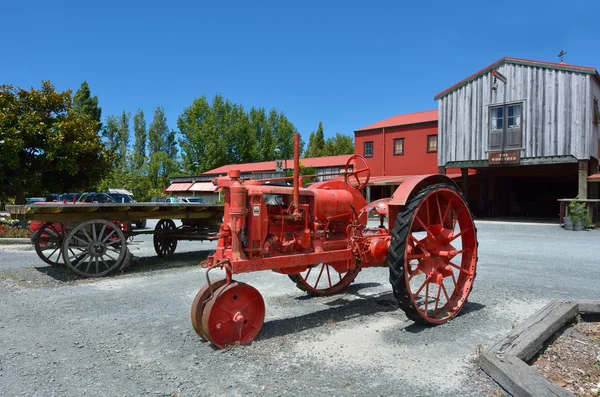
130	334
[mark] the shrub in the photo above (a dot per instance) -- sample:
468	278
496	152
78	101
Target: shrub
578	212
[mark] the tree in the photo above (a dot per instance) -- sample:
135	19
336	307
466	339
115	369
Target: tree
110	132
224	133
334	146
338	145
157	131
46	145
122	142
84	103
162	150
139	146
316	143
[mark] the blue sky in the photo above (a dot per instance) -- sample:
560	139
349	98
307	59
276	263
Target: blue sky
346	63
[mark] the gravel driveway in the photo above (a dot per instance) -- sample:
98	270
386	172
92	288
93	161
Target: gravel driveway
131	335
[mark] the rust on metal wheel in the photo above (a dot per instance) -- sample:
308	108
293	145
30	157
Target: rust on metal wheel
95	248
325	278
433	254
234	315
200	303
48	243
163	244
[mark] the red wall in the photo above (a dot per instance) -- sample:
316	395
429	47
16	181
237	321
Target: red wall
415	160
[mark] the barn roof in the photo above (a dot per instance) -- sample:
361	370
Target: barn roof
269	166
518	61
425	116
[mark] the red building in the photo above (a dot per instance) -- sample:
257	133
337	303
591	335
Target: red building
397	148
401	145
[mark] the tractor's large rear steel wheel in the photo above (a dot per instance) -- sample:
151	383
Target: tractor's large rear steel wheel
95	248
163	244
233	315
48	241
433	254
325	279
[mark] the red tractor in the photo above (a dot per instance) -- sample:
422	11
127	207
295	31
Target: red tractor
318	236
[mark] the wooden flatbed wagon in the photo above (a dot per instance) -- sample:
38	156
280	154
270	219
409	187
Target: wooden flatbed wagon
91	239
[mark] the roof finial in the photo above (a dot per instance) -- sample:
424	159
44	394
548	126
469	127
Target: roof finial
561	55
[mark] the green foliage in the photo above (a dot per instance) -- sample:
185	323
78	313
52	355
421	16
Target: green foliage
46	145
338	145
316	143
334	146
141	136
84	103
157	132
110	132
122	142
578	212
224	133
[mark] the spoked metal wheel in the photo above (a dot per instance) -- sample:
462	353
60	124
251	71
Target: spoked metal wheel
163	244
95	248
433	255
234	315
48	243
325	278
199	304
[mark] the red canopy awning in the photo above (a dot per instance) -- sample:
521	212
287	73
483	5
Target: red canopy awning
179	187
203	187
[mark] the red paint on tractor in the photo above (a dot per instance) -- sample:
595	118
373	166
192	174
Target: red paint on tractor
316	235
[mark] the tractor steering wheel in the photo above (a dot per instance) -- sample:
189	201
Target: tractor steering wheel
354	177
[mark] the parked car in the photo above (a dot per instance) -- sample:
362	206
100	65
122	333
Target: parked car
191	200
101	198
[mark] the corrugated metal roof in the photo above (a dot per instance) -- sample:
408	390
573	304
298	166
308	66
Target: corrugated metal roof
203	187
179	187
425	116
269	166
519	61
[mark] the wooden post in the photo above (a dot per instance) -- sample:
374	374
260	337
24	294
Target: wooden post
582	175
463	182
368	194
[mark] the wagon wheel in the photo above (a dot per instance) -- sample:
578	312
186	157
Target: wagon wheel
200	302
234	315
95	248
48	242
164	245
325	279
433	255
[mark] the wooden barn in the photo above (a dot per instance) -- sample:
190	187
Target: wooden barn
531	130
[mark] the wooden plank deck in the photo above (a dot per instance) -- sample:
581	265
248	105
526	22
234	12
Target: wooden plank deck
60	212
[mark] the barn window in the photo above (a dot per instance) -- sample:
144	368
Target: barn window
432	143
596	112
368	149
399	146
506	126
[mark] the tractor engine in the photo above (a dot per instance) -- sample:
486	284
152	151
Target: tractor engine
263	222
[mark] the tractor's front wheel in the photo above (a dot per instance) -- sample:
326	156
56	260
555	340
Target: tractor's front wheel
433	254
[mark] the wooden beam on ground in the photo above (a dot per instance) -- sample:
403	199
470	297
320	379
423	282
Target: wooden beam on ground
529	337
518	378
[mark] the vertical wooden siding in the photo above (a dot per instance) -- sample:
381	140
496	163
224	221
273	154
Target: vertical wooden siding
595	129
557	111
